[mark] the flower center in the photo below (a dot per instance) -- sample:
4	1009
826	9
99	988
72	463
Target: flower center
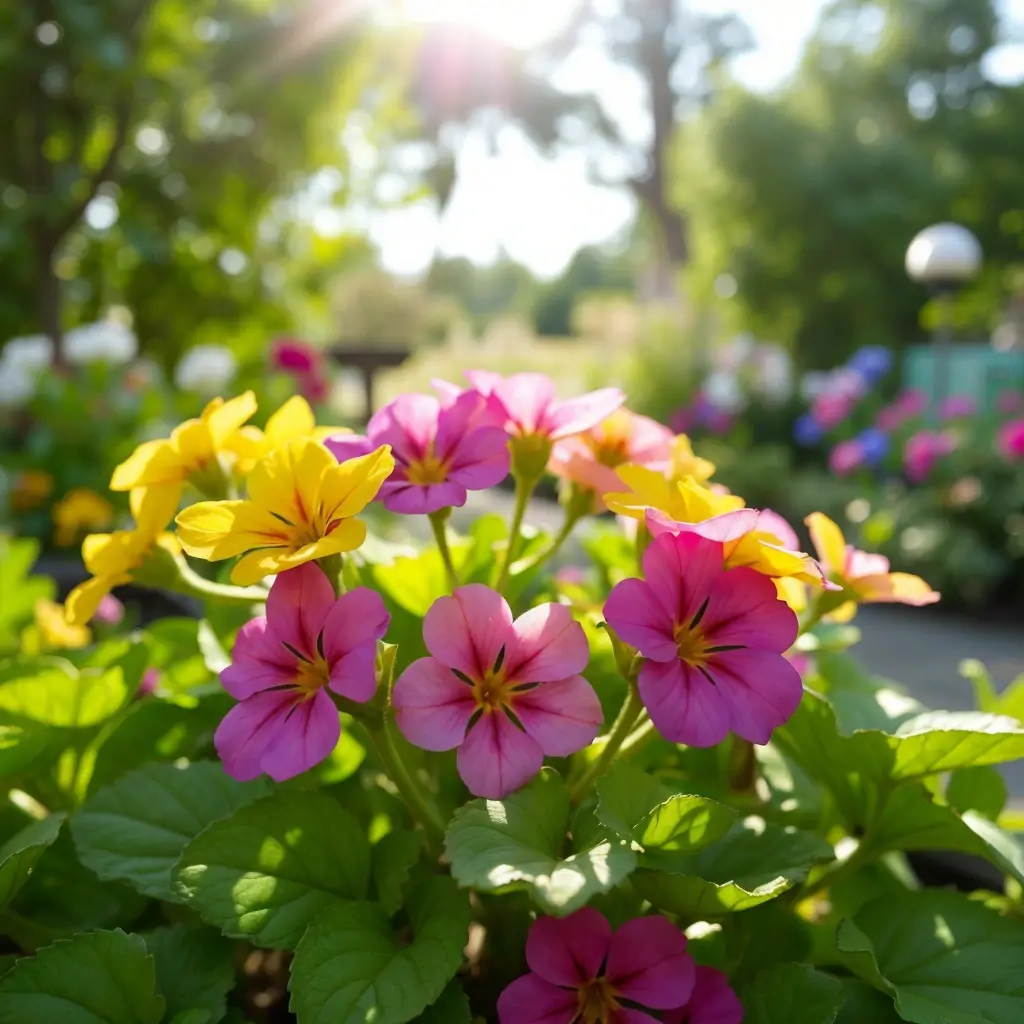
492	691
310	676
692	644
427	470
597	1002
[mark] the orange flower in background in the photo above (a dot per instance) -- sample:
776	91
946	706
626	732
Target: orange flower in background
864	577
80	511
31	488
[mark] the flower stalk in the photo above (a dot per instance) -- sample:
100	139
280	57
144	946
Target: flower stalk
439	525
630	711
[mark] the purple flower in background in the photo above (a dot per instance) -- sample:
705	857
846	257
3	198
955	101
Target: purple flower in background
832	408
110	611
807	431
846	457
872	362
912	402
957	407
682	421
874	443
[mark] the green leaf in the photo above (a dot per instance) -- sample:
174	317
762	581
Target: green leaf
752	864
195	969
99	978
350	966
451	1008
52	692
344	760
977	789
792	994
264	873
912	820
193	1017
215	658
18	856
865	1005
135	829
414	583
941	741
944	958
393	858
517	843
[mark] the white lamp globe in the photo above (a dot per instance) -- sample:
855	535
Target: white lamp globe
944	255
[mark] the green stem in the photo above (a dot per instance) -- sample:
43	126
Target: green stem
628	714
438	523
28	935
191	583
524	491
638	738
420	805
571	519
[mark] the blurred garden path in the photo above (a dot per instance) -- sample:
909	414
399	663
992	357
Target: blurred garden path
918	648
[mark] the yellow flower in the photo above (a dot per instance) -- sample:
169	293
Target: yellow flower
31	488
300	505
864	577
113	557
190	453
54	630
684	463
78	511
684	500
293	420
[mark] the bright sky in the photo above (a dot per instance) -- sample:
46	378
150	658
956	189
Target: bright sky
539	210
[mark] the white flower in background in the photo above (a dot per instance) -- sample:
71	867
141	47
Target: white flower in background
17	386
206	369
813	384
105	341
776	372
723	390
31	353
847	381
735	353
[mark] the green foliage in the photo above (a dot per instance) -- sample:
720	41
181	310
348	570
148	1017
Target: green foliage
792	994
18	856
194	970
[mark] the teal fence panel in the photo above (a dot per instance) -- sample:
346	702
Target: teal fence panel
974	370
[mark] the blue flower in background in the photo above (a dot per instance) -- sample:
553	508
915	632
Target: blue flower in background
872	362
874	443
807	431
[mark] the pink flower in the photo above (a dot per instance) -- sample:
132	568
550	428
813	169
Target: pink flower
831	408
957	407
294	356
712	1002
284	664
527	404
150	682
713	640
483	670
890	418
1011	440
441	452
912	402
923	451
845	458
110	611
581	972
1009	401
589	459
803	663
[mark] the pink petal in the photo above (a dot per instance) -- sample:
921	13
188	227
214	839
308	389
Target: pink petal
723	528
297	607
526	397
744	608
468	630
562	716
628	1016
408	424
354	674
684	706
398	495
357	617
496	758
482	459
547	643
641	620
247	676
649	441
712	1002
276	733
348	446
569	950
447	391
532	1000
432	706
762	689
484	382
772	523
456	421
680	570
648	963
579	414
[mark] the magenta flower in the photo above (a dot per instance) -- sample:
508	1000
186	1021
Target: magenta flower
957	407
526	403
505	693
441	452
912	402
284	664
713	640
582	973
1011	441
846	457
110	611
712	1002
831	408
923	451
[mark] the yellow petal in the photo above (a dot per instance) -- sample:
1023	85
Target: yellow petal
828	542
154	507
55	629
251	568
288	480
82	602
793	592
348	487
647	489
223	419
322	433
109	554
683	463
895	587
293	419
844	613
153	462
224	529
192	441
247	444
